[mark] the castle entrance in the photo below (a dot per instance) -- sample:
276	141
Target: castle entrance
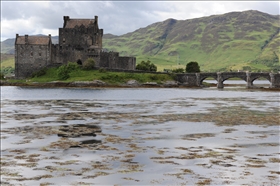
79	62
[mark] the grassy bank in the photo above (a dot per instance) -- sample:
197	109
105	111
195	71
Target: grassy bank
103	75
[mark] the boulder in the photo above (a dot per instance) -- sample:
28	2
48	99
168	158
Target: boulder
170	84
152	84
132	83
98	82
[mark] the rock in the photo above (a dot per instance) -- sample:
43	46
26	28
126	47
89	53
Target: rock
88	134
132	83
98	82
170	84
150	84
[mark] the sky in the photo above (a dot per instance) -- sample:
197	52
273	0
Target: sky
114	17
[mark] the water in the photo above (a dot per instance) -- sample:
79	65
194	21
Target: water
144	136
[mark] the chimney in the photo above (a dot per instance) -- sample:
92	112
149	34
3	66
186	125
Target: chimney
65	18
26	39
50	37
96	19
16	39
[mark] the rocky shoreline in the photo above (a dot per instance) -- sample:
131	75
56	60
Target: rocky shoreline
97	83
129	84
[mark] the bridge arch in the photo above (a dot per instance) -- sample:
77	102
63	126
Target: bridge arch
261	76
234	81
255	75
223	76
203	76
202	79
227	76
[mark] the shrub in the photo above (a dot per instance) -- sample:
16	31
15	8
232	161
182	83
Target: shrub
178	70
63	72
7	70
89	64
39	73
2	76
102	70
192	67
154	77
146	66
71	66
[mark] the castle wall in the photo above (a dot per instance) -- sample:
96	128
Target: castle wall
109	60
128	63
31	58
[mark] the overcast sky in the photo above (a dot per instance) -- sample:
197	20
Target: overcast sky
115	17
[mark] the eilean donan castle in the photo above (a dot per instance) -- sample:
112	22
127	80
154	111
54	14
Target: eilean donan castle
79	39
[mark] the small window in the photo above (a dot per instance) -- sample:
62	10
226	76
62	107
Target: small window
63	40
40	54
31	54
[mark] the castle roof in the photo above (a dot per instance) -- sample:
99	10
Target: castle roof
71	23
33	40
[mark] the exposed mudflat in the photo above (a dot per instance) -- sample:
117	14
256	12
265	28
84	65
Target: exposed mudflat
175	140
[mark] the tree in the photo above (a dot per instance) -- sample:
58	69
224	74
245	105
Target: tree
192	67
146	66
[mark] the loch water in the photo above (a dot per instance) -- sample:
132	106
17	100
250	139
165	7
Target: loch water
139	136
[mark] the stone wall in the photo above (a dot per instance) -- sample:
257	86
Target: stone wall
109	59
31	58
128	63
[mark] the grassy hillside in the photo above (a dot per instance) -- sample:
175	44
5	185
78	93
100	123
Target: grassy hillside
7	64
230	41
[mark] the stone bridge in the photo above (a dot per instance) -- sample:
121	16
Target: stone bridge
196	79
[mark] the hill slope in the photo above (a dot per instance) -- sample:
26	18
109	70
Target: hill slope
246	40
218	42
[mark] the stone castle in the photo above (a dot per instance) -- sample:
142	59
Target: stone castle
79	39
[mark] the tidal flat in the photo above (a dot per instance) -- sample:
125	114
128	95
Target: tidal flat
63	136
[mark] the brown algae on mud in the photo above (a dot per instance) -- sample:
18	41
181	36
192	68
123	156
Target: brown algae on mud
85	143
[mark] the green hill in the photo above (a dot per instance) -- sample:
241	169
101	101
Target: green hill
247	40
230	41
